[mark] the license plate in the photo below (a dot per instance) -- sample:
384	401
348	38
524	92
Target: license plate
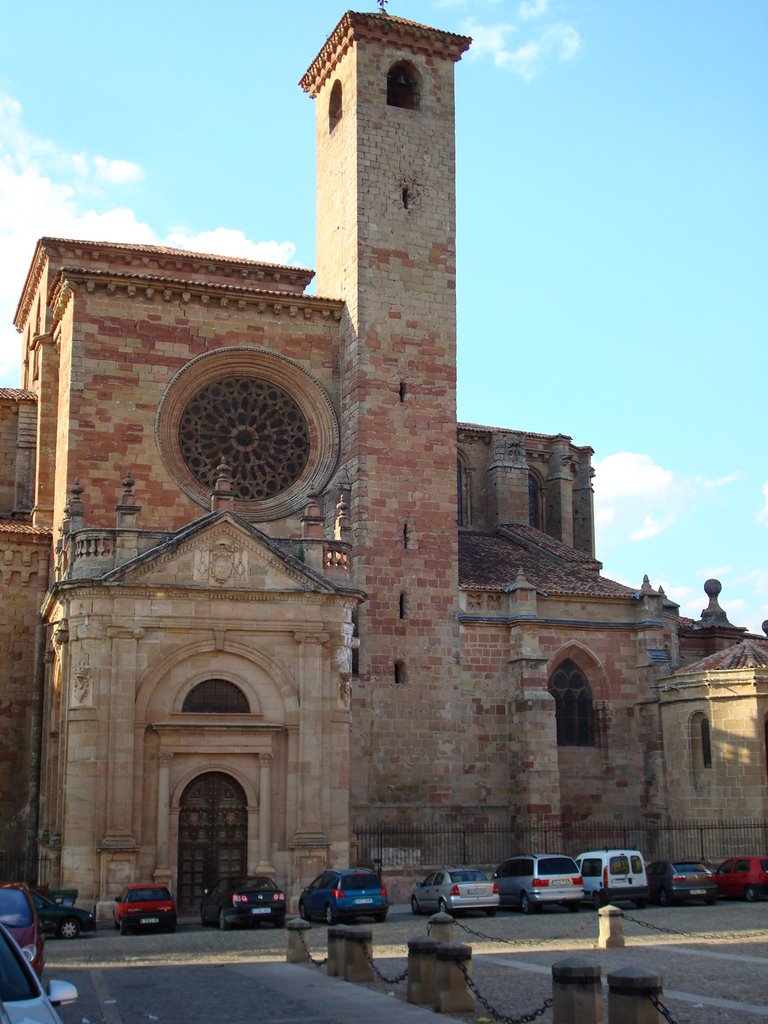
259	910
698	892
561	881
475	892
364	899
149	920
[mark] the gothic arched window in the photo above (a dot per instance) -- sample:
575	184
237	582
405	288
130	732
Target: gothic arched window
535	517
403	86
216	697
335	108
573	707
701	742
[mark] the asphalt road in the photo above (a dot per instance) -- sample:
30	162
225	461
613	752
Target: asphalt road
713	962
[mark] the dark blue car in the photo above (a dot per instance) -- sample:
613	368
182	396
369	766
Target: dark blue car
344	895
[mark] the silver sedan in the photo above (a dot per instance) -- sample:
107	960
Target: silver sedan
453	890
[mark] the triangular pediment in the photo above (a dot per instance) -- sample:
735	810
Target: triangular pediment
221	551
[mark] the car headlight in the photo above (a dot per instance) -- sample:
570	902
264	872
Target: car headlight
29	952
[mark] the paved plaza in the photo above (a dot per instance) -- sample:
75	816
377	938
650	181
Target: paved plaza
713	962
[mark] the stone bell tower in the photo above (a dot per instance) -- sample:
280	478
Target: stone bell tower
386	244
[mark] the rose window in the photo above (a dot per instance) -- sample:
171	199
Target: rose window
255	426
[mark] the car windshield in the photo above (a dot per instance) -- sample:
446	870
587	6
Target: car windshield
264	884
15	982
152	895
361	880
689	868
557	866
15	910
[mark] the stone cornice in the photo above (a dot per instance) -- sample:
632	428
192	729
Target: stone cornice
156	289
380	29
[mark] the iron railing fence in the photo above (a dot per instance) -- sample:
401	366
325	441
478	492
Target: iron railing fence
471	842
22	868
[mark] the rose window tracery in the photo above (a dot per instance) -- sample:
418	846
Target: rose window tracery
255	426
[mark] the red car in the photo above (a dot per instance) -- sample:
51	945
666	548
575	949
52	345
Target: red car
18	914
745	877
144	906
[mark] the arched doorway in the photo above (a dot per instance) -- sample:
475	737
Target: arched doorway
213	828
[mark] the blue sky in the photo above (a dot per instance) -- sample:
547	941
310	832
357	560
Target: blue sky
612	221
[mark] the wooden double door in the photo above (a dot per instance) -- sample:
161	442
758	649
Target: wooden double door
213	834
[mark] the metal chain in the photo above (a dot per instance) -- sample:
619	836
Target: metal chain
524	1018
521	942
377	972
661	1008
696	935
317	963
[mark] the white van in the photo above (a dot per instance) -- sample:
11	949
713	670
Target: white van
611	875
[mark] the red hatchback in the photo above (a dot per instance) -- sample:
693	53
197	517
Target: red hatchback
144	906
18	914
745	877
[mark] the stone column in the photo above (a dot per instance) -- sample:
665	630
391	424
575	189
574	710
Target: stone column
120	766
559	492
264	866
163	811
309	824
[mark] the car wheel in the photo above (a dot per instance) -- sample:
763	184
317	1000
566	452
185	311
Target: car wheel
224	924
751	894
525	903
380	918
442	906
278	922
574	906
664	899
203	920
415	908
597	899
303	912
69	928
491	912
123	927
331	917
642	904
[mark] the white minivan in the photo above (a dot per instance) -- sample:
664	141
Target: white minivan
611	875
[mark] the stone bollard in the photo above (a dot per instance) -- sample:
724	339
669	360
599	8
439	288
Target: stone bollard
440	927
611	935
357	967
422	971
577	992
337	937
297	948
453	993
628	992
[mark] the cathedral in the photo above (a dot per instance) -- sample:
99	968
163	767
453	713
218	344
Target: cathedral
260	587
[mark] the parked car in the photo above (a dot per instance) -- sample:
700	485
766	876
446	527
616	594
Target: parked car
533	881
18	914
343	895
143	906
745	877
25	999
454	890
65	921
243	901
678	881
613	875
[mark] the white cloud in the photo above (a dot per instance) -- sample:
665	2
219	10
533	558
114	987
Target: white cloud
533	9
636	499
46	191
117	172
555	42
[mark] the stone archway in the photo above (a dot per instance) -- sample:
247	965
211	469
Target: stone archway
213	832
